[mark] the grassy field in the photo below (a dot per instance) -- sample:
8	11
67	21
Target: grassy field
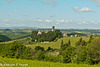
8	62
57	44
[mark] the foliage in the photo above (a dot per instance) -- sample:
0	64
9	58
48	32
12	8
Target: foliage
4	38
40	55
68	54
50	36
83	55
91	38
37	48
64	46
50	49
80	53
94	49
57	44
81	43
15	49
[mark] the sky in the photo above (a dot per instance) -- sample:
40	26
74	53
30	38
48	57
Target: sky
76	14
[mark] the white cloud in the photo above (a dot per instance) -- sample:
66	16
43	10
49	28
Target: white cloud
89	23
84	22
63	21
60	20
48	21
94	22
40	20
84	9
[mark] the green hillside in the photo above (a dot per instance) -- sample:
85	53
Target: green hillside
15	33
57	44
8	62
4	38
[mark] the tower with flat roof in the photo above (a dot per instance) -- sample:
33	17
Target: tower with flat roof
53	28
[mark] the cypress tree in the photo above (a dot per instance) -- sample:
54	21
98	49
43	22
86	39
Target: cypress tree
62	44
69	43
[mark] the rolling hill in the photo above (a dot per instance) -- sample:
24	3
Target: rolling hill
4	38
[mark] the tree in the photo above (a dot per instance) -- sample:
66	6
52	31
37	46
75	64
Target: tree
61	44
40	55
50	36
37	48
58	33
64	46
15	49
69	42
68	54
81	43
80	40
34	35
83	55
94	50
91	38
50	49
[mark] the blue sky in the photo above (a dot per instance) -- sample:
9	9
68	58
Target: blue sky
77	14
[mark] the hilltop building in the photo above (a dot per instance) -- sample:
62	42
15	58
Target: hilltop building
76	35
39	32
53	28
65	35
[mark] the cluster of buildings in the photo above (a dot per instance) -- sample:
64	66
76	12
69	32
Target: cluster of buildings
67	35
64	34
40	32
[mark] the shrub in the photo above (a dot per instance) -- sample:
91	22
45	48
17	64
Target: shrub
37	48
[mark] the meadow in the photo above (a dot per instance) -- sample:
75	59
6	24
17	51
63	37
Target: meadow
9	62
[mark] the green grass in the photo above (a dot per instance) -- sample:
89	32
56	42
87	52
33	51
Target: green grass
14	40
57	44
34	63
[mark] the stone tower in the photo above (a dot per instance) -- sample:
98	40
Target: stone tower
53	28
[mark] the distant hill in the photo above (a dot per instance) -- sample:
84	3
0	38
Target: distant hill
18	27
4	38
